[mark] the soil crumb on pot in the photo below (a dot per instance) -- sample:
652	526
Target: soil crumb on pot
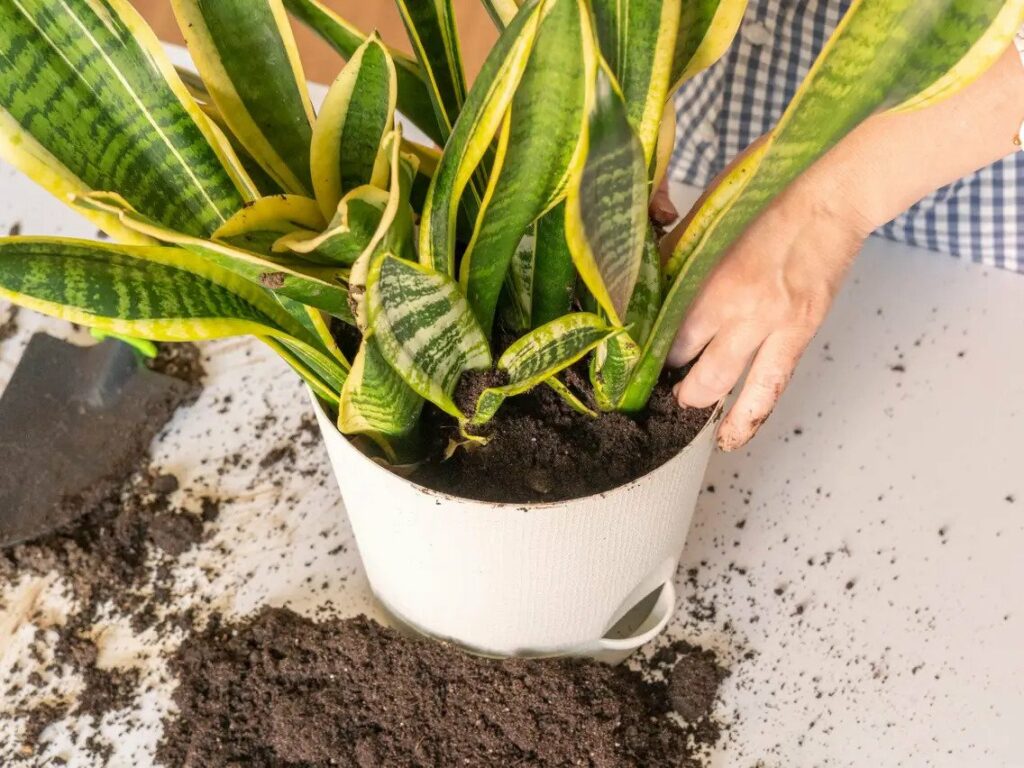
541	450
283	690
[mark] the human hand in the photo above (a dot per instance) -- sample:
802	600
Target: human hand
765	300
771	290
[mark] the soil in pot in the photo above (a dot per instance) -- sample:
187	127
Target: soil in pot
541	450
283	690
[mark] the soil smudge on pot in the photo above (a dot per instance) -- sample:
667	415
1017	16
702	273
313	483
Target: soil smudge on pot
541	450
283	690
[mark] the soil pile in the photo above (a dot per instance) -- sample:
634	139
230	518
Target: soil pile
282	690
541	450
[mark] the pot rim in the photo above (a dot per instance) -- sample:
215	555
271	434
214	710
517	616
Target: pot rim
711	422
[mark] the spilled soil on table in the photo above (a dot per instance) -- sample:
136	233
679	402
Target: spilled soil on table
282	690
279	689
122	536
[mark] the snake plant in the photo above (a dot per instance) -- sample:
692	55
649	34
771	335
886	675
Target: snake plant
522	245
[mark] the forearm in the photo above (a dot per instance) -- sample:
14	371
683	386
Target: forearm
893	160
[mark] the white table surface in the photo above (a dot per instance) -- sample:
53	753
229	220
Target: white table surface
890	644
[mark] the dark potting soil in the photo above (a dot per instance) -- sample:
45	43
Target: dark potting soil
9	326
181	361
539	449
283	690
105	554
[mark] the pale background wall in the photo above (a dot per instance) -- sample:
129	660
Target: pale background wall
322	64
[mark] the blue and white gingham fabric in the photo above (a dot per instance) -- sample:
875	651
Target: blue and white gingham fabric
720	112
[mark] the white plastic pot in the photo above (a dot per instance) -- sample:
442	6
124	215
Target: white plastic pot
523	579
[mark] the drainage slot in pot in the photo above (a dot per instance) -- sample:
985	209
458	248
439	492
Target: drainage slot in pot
635	617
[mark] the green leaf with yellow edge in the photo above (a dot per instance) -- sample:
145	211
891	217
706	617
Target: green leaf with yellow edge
501	11
539	139
610	369
88	100
554	274
425	328
884	54
319	287
378	403
152	292
349	234
706	30
646	300
606	210
638	40
395	230
245	52
539	356
471	138
356	115
517	294
414	99
570	399
260	179
265	220
317	325
431	28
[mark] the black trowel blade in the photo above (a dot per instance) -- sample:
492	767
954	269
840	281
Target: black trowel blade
73	423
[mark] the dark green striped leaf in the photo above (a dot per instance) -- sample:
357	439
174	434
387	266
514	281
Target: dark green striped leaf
316	287
413	90
348	141
540	355
540	137
246	54
471	138
554	274
646	301
377	402
425	328
153	292
88	100
610	369
516	303
431	28
606	212
638	40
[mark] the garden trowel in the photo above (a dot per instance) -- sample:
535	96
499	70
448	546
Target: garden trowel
74	422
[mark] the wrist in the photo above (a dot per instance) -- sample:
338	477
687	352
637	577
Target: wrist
841	190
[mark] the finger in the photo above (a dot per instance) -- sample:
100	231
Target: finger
662	210
720	366
692	337
772	369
